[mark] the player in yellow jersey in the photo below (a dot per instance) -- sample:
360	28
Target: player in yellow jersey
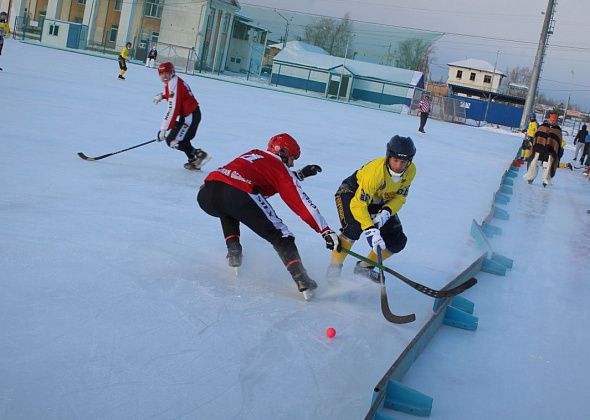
368	202
123	57
528	137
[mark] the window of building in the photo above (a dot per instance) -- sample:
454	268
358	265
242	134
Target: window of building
81	1
240	31
53	30
113	33
459	74
472	77
154	37
487	79
118	5
77	20
153	9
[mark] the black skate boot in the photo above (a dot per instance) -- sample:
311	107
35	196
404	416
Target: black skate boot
305	284
234	254
196	162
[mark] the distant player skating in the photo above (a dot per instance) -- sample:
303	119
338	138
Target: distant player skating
123	57
182	118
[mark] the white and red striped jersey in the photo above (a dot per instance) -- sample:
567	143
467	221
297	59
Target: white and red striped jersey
260	172
424	105
181	101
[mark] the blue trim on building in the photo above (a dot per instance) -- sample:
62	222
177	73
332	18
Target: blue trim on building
296	82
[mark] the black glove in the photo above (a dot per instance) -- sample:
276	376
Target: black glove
331	239
307	171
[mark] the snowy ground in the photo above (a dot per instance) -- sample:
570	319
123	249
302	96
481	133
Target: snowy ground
116	301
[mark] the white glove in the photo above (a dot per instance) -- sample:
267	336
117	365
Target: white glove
381	217
374	239
158	98
162	135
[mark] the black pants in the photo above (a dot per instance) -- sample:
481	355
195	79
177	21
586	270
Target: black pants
585	153
233	206
423	118
183	131
391	232
122	63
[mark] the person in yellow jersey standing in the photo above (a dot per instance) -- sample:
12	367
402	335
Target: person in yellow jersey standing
368	202
123	57
527	143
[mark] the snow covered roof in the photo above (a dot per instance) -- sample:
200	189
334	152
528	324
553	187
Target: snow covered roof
300	46
300	53
475	64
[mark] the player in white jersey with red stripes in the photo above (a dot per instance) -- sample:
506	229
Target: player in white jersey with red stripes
237	192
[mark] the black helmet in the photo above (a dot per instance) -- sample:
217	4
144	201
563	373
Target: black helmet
401	148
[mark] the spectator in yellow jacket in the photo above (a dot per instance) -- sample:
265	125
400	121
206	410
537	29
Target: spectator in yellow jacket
368	202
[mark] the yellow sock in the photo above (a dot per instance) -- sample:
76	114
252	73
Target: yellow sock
373	257
338	257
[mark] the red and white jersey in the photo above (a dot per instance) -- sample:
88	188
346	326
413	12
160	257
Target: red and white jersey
260	172
424	105
181	101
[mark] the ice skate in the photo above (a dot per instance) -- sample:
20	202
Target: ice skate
333	271
199	158
305	284
367	272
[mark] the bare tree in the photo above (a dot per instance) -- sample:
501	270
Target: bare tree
415	54
520	75
330	34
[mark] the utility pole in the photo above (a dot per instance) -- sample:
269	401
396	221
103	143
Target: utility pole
286	27
343	64
543	39
485	118
568	100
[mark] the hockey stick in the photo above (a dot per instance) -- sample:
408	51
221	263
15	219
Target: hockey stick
390	316
83	156
437	294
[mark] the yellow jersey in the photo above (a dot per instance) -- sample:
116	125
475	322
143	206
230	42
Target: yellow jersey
532	128
5	28
377	186
124	53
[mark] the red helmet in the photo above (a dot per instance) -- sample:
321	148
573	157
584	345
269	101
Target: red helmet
285	146
166	67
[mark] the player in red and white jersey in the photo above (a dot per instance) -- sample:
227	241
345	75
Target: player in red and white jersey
182	116
237	192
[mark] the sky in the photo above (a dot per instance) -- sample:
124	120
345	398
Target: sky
564	71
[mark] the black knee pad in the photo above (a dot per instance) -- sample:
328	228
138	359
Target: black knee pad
396	243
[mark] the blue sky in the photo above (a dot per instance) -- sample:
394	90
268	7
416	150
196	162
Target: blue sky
465	22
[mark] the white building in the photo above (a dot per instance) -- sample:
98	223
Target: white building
195	33
310	68
474	75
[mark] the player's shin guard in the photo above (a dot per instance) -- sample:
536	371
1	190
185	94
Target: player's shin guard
338	257
373	256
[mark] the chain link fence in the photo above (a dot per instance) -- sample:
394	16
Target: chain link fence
442	107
